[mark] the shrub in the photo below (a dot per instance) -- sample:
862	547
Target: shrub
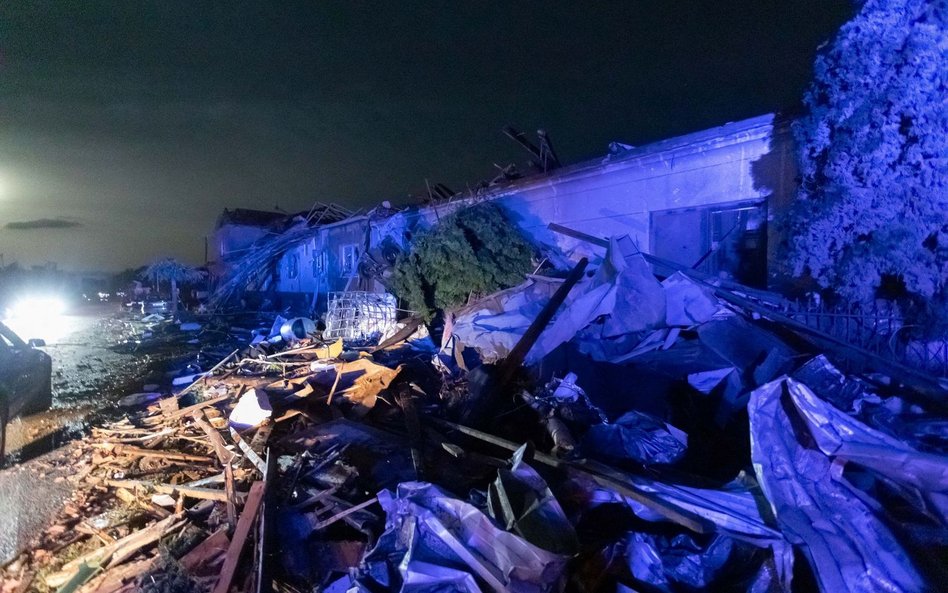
475	250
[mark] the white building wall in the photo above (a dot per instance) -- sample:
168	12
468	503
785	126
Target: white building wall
726	165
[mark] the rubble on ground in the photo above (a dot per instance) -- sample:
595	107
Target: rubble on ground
614	431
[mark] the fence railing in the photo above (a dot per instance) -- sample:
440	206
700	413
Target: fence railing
878	328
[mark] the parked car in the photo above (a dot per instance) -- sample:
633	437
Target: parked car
155	305
25	379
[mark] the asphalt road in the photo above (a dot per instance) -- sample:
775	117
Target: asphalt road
87	376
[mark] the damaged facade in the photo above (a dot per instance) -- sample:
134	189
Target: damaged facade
703	200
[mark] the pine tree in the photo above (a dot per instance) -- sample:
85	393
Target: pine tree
475	250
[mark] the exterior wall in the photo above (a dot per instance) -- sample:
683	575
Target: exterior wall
742	164
318	261
735	164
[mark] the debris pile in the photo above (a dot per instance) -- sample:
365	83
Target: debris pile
612	431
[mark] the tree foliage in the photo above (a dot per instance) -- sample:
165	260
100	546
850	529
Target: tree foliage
170	269
475	250
872	211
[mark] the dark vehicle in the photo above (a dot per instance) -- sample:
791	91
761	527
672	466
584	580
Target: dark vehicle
25	379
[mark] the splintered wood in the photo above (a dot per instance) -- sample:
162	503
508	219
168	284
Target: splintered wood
172	475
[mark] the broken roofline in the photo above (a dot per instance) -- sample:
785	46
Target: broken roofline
756	128
265	219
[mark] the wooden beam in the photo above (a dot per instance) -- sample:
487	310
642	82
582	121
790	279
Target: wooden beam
602	475
244	526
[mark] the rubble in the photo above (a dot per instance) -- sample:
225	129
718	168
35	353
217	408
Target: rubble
612	431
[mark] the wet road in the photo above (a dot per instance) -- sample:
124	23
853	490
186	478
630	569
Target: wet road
87	377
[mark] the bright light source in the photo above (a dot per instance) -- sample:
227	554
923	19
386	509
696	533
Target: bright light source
38	317
37	307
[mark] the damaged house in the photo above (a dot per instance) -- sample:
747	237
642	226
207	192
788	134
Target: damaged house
703	200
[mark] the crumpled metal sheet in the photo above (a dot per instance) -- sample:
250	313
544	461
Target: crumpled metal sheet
840	435
449	536
687	302
623	288
849	548
639	437
520	500
734	509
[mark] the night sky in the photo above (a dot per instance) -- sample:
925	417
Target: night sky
126	127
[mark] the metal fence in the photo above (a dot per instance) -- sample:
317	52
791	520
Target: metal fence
878	328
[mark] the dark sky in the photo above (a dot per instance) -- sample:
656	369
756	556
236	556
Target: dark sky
126	127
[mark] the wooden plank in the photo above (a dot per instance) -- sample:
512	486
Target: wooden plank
190	409
190	492
224	455
344	514
117	552
214	545
248	452
229	492
600	474
244	525
120	449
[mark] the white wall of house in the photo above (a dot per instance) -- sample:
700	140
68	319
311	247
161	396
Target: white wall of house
739	164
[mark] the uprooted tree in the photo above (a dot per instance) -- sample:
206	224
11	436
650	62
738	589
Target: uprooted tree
871	218
476	250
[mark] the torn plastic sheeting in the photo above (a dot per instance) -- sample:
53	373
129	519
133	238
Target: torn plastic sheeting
520	500
252	408
759	355
838	434
659	560
274	333
847	546
424	523
424	577
494	325
706	381
622	289
732	508
890	415
623	348
639	437
686	302
640	297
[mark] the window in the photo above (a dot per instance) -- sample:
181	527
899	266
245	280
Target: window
729	241
349	260
293	266
319	264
